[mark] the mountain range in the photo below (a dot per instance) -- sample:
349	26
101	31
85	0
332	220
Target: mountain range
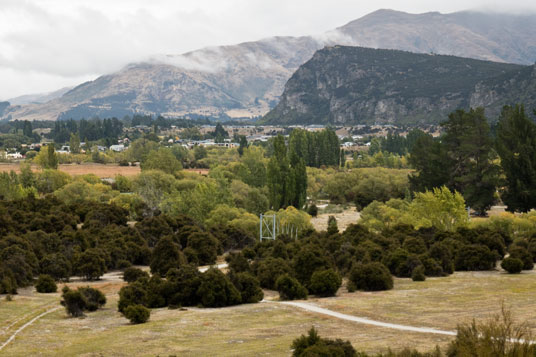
247	80
354	85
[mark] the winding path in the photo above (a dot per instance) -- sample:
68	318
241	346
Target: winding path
362	320
12	337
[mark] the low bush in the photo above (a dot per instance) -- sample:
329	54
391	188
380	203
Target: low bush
371	277
418	274
512	265
290	288
524	255
82	299
45	284
314	345
137	314
325	282
132	274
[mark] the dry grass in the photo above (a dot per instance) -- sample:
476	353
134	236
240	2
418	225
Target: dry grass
443	302
269	328
344	219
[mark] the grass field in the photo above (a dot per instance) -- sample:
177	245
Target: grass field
268	328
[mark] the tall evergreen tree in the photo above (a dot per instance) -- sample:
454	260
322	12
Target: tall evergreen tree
469	145
428	158
516	146
287	177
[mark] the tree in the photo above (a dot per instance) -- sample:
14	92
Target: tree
468	145
243	145
371	277
325	282
47	157
45	284
279	175
82	299
216	290
137	314
516	146
290	288
439	208
512	265
27	129
161	159
74	143
91	265
132	274
248	286
166	255
428	158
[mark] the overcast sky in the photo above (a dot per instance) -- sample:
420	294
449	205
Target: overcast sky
49	44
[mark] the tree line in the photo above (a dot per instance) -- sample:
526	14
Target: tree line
477	161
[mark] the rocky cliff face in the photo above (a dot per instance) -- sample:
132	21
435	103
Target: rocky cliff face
352	85
247	79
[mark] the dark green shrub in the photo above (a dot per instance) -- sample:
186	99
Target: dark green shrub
137	314
45	284
418	274
325	282
94	298
313	345
132	274
91	264
248	286
414	245
512	265
312	210
308	260
371	277
290	288
166	255
406	268
183	284
74	302
269	270
238	262
82	299
475	257
123	264
216	290
522	254
56	265
205	245
132	294
431	267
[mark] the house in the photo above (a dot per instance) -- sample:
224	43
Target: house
14	155
65	149
118	148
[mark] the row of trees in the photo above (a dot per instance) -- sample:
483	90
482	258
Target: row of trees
470	160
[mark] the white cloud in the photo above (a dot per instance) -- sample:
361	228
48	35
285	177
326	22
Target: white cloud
47	44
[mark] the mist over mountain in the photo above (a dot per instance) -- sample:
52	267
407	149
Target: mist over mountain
247	80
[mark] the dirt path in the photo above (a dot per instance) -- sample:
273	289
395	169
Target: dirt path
14	334
361	320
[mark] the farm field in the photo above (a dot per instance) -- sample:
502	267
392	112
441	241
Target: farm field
268	328
101	170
